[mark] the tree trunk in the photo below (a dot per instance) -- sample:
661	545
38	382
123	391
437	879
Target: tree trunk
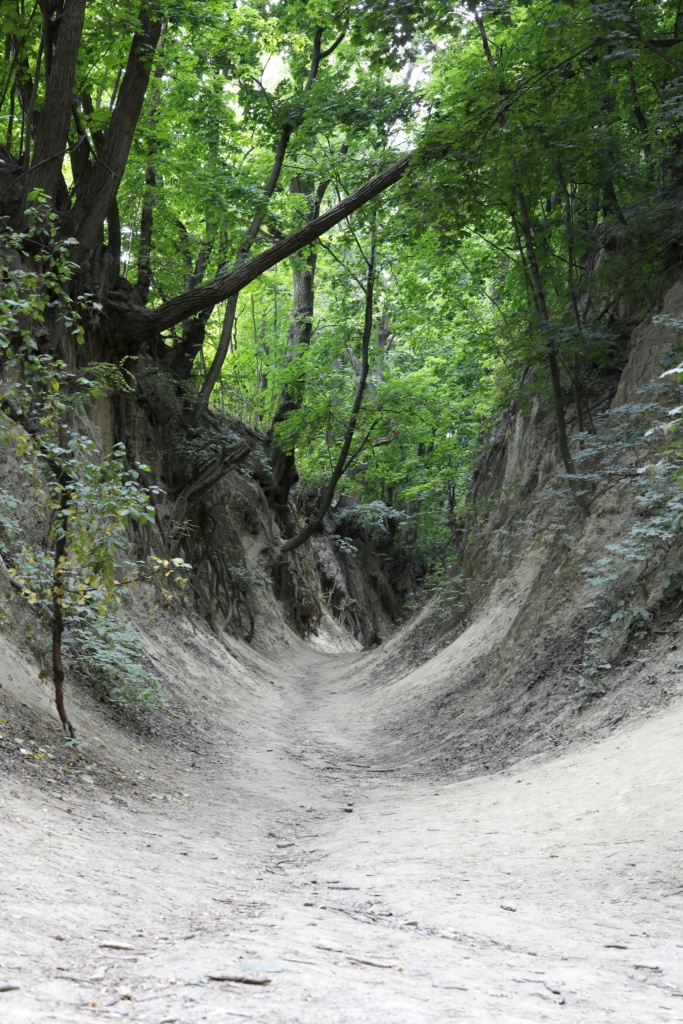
229	317
282	459
180	358
551	349
144	281
107	170
55	115
57	614
214	373
315	522
539	297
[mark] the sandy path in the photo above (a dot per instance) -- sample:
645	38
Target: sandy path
552	892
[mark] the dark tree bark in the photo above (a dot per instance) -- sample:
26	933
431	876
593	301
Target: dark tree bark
144	281
180	358
65	485
107	170
574	300
53	131
551	348
209	476
57	613
284	468
114	236
28	114
285	474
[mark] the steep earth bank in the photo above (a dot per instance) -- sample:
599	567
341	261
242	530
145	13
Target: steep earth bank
557	656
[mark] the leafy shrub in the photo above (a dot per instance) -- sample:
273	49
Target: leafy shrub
629	452
372	518
112	657
9	524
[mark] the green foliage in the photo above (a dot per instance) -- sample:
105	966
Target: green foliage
244	578
643	463
569	117
104	498
205	444
371	519
10	527
110	655
105	379
628	454
81	575
28	296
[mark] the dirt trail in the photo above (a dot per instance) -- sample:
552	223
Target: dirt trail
292	848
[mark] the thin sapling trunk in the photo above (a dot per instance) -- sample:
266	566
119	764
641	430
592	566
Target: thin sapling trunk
61	540
315	522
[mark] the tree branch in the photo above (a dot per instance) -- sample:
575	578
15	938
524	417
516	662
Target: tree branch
330	49
209	476
143	323
660	53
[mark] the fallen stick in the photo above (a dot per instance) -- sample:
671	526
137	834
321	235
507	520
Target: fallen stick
242	979
370	963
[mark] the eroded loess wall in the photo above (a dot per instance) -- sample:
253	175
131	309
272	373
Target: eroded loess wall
521	653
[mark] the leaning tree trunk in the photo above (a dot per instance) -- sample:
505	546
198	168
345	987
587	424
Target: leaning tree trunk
130	325
106	172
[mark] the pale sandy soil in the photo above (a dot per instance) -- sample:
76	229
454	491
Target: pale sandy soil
293	847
